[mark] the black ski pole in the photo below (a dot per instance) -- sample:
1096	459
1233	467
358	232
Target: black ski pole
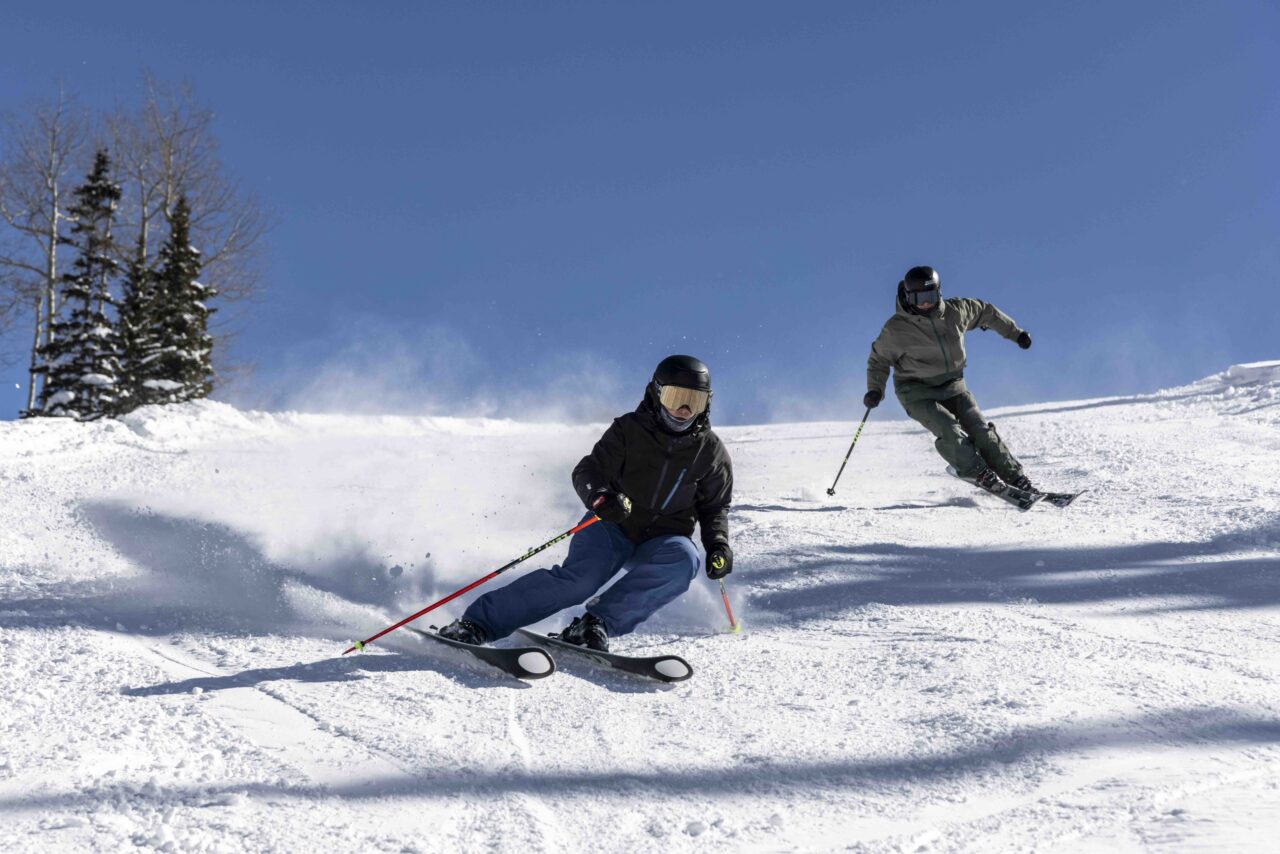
832	490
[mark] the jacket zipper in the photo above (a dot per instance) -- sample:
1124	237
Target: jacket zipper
679	478
946	361
657	489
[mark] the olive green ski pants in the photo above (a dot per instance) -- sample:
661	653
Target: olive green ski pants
966	439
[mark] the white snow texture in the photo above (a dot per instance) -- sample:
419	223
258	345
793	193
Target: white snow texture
923	668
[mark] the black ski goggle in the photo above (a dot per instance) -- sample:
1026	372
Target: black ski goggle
928	296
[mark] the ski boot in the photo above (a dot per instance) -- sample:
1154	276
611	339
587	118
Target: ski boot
587	630
465	631
1024	483
1011	491
986	478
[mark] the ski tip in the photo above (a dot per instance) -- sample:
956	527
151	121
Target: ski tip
536	664
673	669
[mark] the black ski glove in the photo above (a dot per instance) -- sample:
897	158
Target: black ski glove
610	506
1024	341
872	398
719	562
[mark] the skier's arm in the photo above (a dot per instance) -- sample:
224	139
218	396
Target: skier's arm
984	315
712	499
878	364
600	467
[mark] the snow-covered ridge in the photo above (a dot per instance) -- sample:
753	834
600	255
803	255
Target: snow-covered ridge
1257	380
207	420
922	667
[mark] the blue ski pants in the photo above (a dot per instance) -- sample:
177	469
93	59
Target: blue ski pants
658	571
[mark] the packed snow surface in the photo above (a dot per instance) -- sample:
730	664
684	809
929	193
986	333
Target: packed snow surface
923	668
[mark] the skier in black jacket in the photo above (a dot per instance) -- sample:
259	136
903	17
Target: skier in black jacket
654	473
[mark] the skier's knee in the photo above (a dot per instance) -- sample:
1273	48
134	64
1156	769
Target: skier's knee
675	551
949	446
678	575
985	435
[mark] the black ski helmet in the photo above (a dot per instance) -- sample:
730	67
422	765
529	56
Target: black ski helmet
921	279
684	371
917	280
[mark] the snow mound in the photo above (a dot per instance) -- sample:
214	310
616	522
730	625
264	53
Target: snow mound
1257	381
194	421
1254	373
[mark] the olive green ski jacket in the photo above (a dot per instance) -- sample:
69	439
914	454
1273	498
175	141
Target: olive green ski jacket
927	352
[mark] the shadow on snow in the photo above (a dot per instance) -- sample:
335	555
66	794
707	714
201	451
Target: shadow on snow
1227	571
205	577
988	757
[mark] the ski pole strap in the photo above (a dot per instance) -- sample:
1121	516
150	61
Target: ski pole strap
455	594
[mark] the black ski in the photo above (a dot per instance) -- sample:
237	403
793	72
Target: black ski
664	668
1062	499
1019	498
525	662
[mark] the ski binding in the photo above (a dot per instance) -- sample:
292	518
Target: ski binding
1019	498
529	662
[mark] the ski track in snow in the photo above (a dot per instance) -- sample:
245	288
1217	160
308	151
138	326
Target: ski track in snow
922	667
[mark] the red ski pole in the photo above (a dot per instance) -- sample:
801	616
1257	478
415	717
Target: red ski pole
454	595
733	624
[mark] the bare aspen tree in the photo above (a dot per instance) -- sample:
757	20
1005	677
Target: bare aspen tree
39	164
166	150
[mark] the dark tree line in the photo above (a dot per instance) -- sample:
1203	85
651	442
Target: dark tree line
99	251
107	356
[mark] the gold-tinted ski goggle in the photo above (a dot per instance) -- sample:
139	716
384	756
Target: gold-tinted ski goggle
673	397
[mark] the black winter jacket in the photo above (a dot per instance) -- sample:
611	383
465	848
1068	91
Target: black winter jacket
672	479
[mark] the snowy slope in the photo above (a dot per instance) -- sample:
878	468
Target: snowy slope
923	668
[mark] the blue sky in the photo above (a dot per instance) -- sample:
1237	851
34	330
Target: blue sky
482	206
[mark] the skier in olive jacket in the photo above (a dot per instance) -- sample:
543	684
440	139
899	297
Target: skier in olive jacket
924	345
654	474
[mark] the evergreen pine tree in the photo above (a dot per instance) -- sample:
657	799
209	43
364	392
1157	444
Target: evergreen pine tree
138	335
180	366
81	361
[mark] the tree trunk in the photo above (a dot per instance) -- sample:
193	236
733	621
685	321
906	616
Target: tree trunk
32	374
51	266
50	286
